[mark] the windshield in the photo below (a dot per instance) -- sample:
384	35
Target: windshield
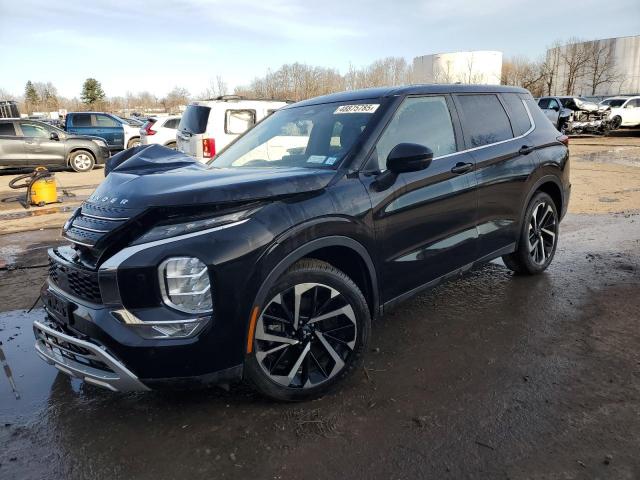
316	136
614	102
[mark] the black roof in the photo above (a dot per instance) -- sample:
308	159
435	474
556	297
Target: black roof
379	92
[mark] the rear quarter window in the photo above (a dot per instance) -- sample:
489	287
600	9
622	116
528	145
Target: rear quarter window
484	120
519	117
7	129
195	119
237	122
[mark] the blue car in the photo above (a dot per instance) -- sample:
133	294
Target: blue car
118	133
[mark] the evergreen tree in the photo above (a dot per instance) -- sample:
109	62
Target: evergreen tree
31	97
92	92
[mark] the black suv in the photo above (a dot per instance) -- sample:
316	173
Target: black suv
29	143
269	262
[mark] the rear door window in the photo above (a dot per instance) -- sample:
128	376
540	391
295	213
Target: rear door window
237	122
7	129
195	119
484	120
82	120
106	122
520	120
172	123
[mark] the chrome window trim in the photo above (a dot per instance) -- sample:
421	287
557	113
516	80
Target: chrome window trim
473	149
112	264
531	129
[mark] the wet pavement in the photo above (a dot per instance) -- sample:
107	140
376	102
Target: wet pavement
488	376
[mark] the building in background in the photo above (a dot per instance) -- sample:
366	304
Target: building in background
480	67
599	67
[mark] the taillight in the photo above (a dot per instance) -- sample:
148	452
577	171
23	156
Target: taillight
147	128
208	147
563	139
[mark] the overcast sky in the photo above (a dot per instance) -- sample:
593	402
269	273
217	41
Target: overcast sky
154	45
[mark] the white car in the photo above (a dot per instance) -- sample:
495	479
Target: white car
160	131
625	111
208	126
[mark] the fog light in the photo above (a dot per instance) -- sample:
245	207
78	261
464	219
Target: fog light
182	329
184	284
161	329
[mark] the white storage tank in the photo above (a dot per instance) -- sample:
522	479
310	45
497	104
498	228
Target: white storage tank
477	67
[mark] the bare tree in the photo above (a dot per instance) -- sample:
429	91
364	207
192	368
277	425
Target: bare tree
549	68
574	58
600	66
444	74
522	72
175	98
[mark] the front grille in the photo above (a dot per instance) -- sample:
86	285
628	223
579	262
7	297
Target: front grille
74	280
94	222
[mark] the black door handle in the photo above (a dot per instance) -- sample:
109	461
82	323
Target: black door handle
461	167
525	150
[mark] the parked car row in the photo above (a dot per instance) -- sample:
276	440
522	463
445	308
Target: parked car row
577	115
27	143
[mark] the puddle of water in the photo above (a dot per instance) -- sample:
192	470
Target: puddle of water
33	378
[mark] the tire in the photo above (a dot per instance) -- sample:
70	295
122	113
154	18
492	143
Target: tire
615	122
172	145
538	238
310	361
82	161
134	142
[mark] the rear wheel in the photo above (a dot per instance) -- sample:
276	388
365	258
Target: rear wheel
538	238
82	161
311	333
134	142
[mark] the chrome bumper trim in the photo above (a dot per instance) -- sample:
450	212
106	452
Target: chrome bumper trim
116	377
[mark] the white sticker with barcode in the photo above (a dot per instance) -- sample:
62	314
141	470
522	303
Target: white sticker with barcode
358	108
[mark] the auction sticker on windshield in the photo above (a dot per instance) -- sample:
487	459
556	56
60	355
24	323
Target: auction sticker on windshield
360	108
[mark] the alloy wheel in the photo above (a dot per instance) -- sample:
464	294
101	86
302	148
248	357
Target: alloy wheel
305	335
82	161
542	233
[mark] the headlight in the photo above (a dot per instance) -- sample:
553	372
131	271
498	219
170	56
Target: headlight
173	230
100	143
184	284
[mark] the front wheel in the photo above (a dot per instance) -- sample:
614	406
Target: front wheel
538	238
311	333
81	161
615	122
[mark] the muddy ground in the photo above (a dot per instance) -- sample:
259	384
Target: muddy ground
488	376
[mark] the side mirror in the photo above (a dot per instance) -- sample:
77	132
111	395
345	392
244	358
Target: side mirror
555	108
54	136
409	157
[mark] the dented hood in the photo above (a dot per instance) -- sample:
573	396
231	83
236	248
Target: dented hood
153	175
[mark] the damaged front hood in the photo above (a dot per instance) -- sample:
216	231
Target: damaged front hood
153	175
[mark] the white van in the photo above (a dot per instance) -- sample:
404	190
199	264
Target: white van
208	126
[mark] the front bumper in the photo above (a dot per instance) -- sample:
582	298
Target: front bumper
82	359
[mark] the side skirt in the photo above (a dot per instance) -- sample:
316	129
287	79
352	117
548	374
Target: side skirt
459	271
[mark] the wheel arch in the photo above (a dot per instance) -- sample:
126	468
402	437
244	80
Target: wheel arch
549	184
81	148
344	253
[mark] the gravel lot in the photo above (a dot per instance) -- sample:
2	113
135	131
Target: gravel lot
520	377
